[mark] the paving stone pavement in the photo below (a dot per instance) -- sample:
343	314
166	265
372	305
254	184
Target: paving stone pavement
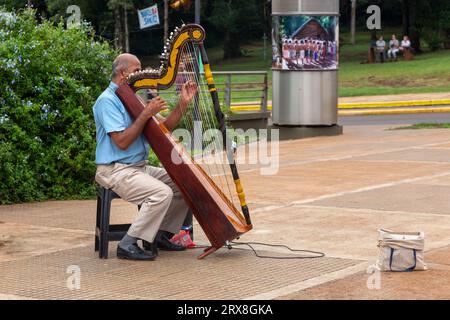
330	194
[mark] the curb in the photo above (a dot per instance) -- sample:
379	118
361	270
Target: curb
347	109
252	107
393	111
394	104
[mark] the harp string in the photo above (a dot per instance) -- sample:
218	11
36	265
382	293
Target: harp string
195	111
202	111
206	105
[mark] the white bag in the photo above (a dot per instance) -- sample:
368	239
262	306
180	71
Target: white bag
401	251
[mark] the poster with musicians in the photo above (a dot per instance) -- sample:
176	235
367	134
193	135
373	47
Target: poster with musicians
305	43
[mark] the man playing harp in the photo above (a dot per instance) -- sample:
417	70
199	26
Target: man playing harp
121	158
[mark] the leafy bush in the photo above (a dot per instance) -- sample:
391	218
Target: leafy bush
434	40
49	79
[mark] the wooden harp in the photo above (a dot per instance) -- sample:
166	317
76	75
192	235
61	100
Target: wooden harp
214	196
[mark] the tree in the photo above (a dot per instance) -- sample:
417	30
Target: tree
237	20
121	34
427	19
410	27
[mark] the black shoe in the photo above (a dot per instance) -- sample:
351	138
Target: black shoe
150	247
133	252
163	243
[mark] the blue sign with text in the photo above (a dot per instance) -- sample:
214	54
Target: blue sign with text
148	17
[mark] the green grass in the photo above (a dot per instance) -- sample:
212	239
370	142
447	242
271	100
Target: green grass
429	72
425	126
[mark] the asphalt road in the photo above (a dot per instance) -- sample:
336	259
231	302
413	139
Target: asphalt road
394	119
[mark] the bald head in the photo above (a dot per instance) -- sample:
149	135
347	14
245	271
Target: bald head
124	65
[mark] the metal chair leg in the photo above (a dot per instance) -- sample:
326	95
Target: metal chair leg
97	223
104	224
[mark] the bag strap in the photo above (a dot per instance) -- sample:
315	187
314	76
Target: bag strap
406	270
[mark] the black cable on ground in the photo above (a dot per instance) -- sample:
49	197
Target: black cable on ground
249	244
315	255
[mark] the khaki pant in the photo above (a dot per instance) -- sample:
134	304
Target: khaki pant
162	205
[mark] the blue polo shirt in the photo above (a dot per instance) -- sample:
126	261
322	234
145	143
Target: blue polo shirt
111	116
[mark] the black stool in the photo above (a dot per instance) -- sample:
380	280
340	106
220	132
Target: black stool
104	232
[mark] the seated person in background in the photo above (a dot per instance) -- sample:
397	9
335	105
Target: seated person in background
406	44
406	48
393	48
381	49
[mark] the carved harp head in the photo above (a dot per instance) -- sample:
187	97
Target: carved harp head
164	77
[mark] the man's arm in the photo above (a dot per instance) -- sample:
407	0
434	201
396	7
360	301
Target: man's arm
125	138
188	91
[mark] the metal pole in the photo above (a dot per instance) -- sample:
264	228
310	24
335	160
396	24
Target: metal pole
265	95
228	92
265	47
166	20
197	11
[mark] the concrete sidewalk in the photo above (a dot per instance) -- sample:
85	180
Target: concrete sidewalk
331	195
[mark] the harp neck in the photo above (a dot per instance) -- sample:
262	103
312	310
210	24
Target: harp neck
164	77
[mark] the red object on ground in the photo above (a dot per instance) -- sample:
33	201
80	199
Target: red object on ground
183	239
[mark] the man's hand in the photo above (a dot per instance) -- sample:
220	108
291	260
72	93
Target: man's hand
188	92
155	106
125	138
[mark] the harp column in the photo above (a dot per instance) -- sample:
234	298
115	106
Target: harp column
305	65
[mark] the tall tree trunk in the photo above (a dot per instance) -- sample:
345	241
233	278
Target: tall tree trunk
232	46
166	20
413	29
353	22
405	17
121	33
373	35
117	28
409	15
125	29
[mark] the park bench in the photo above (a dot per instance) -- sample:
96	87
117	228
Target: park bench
408	54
